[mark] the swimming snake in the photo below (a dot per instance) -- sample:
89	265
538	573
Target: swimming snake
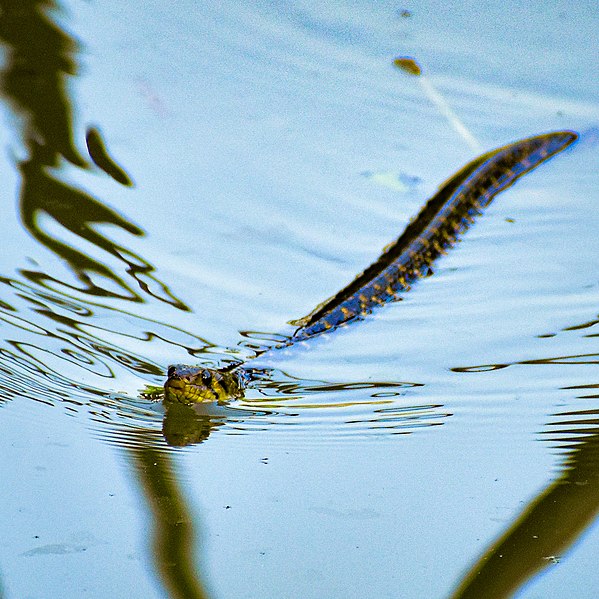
440	223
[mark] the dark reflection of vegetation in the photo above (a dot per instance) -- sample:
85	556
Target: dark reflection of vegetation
584	325
53	329
173	525
41	57
575	359
552	522
78	212
47	333
99	154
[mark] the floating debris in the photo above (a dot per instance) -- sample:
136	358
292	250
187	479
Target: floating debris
408	64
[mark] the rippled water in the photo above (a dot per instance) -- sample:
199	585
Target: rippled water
180	182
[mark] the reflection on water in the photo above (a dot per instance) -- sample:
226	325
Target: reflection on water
174	533
302	408
186	425
584	325
576	359
99	154
591	358
41	57
48	329
42	196
63	347
552	522
78	342
48	335
543	533
55	331
301	411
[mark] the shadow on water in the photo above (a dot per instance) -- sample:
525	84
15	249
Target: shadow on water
553	521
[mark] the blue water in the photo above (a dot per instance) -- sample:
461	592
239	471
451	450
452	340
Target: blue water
275	150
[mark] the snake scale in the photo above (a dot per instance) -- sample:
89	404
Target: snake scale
440	223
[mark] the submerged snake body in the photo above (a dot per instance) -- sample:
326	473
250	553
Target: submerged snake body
437	227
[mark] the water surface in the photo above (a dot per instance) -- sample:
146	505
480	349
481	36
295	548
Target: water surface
180	182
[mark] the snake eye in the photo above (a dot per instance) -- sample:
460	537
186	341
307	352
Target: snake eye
206	377
171	371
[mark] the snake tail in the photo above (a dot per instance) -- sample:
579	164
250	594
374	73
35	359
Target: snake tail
438	226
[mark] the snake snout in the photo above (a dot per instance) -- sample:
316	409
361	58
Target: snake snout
177	379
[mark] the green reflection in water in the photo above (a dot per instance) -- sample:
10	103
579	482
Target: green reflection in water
574	359
187	425
99	154
54	331
344	410
50	337
41	57
552	521
174	531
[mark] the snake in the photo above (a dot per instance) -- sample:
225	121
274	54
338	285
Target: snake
436	228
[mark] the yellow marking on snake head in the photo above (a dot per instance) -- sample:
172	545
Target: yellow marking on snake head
190	384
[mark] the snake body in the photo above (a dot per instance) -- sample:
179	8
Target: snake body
437	227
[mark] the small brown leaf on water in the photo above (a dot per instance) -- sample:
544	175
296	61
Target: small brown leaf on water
408	64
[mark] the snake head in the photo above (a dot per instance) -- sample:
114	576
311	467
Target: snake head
196	384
